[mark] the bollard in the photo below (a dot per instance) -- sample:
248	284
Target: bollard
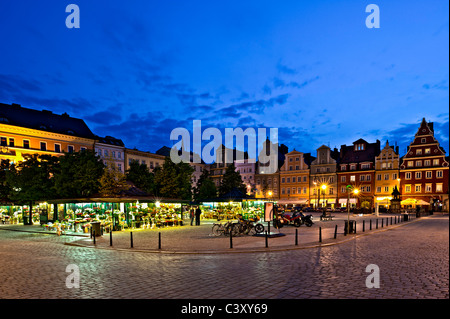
296	237
382	222
94	237
131	239
159	240
364	226
391	220
267	240
377	224
320	234
91	231
335	232
370	226
231	239
110	237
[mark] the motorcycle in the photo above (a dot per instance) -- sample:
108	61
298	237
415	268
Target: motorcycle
306	219
285	219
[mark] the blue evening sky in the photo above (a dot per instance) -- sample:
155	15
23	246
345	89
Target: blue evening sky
136	70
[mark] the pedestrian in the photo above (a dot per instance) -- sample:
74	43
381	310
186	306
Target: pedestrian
192	213
198	211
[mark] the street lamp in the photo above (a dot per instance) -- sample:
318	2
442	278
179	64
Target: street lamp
350	189
315	191
324	187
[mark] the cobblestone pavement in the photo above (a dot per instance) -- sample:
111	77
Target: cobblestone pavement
413	261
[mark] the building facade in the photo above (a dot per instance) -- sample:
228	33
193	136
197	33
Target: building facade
294	180
323	178
25	131
151	160
424	172
112	152
387	176
356	168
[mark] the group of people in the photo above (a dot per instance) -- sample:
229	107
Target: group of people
195	214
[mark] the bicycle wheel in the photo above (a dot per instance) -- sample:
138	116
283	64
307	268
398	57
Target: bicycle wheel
259	228
236	229
216	230
252	230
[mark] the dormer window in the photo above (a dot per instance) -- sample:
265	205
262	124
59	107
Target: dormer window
359	147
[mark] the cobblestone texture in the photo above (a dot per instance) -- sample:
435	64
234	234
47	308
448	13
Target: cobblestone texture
413	259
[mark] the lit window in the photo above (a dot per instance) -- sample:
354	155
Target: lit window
43	146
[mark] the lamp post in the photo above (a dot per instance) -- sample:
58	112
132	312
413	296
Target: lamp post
315	191
350	189
324	187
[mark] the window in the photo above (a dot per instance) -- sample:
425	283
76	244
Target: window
418	163
293	190
427	188
378	189
26	144
282	191
407	188
359	147
343	190
119	154
428	174
378	177
408	175
113	154
439	187
352	178
11	142
352	167
297	167
288	190
288	180
423	140
427	163
70	150
386	177
282	179
343	179
365	166
297	159
43	146
361	178
386	189
290	168
331	191
3	141
436	162
394	176
418	188
427	151
368	178
105	152
82	149
58	148
304	178
410	164
419	152
343	167
294	179
439	174
304	190
418	175
119	167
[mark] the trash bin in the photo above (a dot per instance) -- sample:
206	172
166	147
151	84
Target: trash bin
350	228
96	228
405	217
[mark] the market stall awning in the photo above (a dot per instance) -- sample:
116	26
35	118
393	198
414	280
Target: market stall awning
413	201
344	201
293	201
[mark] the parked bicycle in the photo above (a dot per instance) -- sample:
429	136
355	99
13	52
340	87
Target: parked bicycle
247	227
219	229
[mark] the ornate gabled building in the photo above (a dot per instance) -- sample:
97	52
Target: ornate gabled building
323	178
387	176
424	172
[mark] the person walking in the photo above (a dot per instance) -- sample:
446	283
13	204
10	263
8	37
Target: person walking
198	212
192	213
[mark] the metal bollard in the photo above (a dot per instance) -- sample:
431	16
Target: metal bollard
267	240
377	224
231	238
364	226
94	237
296	237
110	237
335	232
131	239
320	234
159	240
370	226
382	222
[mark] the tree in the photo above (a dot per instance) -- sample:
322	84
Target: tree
78	174
31	180
141	177
113	182
231	179
174	180
5	188
205	189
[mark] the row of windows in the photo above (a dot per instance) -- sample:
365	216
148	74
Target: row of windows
427	189
295	190
419	163
386	177
42	145
427	174
353	167
105	153
295	179
131	160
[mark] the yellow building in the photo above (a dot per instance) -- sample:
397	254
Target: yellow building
386	175
294	180
26	131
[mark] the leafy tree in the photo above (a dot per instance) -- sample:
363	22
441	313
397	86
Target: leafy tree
112	182
174	180
31	180
231	179
205	189
78	174
5	188
141	177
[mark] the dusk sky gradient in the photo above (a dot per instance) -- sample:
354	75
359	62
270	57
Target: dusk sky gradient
136	70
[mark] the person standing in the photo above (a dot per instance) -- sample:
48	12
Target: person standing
192	213
198	212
